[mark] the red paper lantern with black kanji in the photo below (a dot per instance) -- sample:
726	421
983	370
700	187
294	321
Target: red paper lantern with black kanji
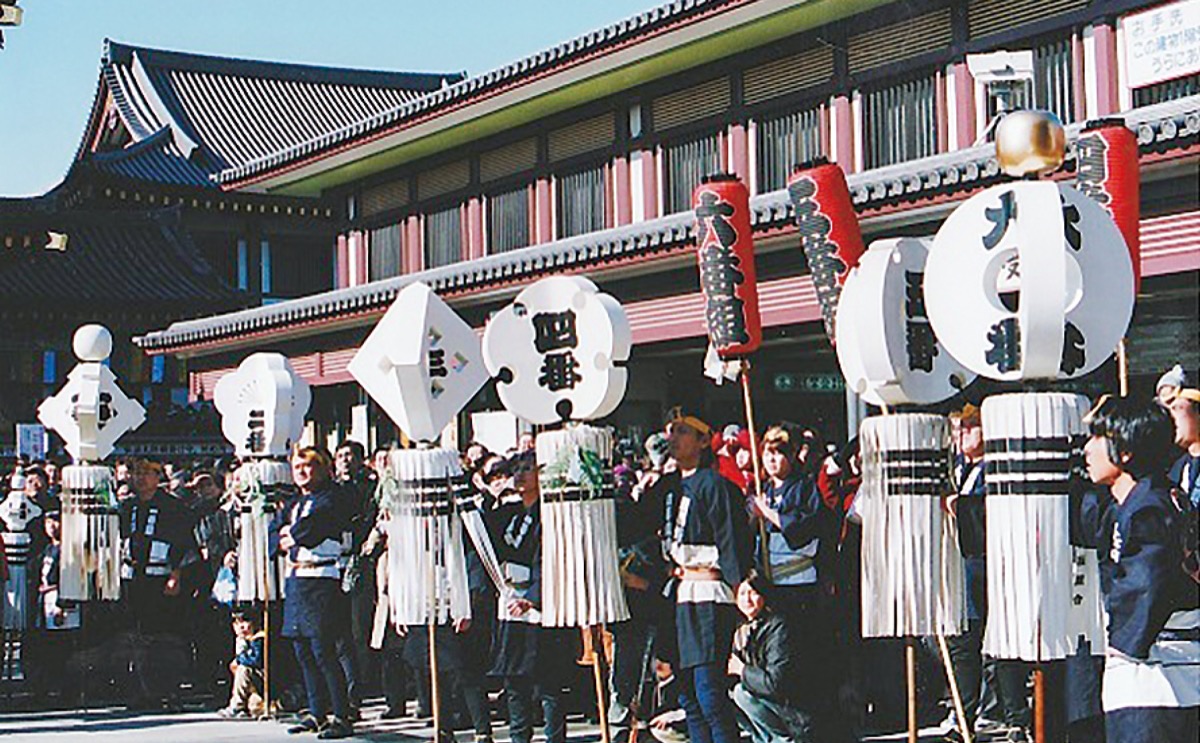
725	249
829	232
1107	171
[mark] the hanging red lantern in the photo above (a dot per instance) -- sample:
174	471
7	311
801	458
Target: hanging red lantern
829	232
1107	171
725	249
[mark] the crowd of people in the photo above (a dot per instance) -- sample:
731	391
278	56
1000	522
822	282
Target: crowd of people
743	589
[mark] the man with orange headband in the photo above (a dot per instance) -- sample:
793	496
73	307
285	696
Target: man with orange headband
706	536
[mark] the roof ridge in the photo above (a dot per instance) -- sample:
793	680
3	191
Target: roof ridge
120	52
633	25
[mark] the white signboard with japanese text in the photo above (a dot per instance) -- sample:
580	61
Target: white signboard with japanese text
1162	43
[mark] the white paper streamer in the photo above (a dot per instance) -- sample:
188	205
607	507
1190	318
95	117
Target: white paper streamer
1030	585
581	581
262	485
912	570
427	569
90	561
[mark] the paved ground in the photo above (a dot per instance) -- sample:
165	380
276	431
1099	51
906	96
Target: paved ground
115	724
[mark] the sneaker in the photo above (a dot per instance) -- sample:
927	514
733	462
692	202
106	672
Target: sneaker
669	735
335	728
228	713
307	724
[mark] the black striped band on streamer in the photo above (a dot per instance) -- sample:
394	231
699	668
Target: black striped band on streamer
1048	444
576	493
915	472
1023	486
1060	466
426	509
267	507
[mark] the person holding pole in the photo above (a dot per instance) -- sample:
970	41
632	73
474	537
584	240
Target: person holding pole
708	542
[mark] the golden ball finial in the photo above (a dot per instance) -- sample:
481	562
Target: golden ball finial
1030	142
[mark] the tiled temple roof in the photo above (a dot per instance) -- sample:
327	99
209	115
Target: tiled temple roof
601	39
1161	127
117	259
221	113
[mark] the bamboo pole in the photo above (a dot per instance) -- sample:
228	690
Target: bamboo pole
1039	704
268	562
910	673
964	725
435	700
1123	368
598	668
748	402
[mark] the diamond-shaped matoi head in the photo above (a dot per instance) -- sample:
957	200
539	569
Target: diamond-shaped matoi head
91	412
558	351
421	364
262	405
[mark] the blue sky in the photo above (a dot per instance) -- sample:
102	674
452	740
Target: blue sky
49	66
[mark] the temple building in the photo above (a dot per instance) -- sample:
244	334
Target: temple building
140	233
582	158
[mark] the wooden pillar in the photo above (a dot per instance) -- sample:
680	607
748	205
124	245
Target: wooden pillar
1107	98
649	184
545	215
964	106
414	255
474	246
341	263
842	125
624	197
739	152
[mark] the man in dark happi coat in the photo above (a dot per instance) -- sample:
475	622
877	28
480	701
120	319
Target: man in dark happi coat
531	659
157	545
308	530
707	537
1151	689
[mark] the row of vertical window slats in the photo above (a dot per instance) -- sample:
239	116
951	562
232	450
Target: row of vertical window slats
685	164
443	237
900	123
383	249
581	202
508	220
783	143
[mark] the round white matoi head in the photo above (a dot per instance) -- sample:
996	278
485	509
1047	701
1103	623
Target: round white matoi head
1029	280
886	346
92	342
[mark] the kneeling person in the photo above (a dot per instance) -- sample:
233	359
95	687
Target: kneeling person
770	702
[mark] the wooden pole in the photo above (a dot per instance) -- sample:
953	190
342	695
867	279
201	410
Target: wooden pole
598	668
435	701
910	672
1039	704
960	712
758	488
268	562
1123	368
